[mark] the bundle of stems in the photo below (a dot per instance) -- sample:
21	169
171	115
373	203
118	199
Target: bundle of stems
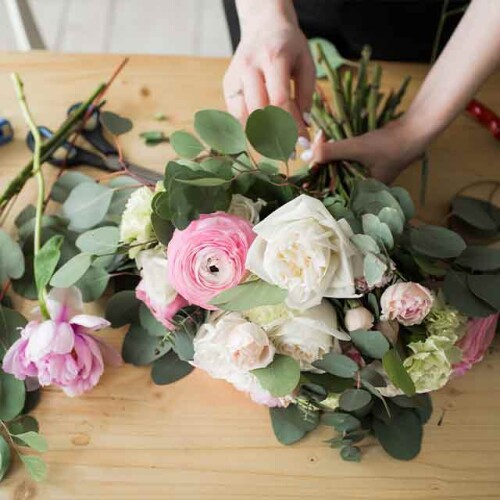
359	107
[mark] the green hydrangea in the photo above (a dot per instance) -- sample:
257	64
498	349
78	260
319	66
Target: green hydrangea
268	316
430	364
332	401
445	321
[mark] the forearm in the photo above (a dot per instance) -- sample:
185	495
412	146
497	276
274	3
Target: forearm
471	55
252	12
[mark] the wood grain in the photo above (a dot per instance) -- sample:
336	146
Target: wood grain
200	438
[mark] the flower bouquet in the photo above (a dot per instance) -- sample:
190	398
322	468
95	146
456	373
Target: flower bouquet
313	290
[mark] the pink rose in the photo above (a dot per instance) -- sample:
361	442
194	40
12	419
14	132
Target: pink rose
155	289
358	318
479	336
408	303
208	257
60	351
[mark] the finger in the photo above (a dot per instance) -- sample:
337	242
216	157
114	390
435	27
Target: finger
254	89
347	149
234	97
305	80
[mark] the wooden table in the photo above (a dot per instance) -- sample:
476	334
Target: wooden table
200	438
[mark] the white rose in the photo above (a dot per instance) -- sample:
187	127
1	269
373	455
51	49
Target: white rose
358	318
231	345
246	208
154	288
135	226
300	247
308	335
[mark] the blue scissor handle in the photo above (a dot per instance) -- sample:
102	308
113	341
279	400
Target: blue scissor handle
67	155
6	131
93	132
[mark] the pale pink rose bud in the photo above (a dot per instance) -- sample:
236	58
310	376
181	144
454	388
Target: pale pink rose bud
474	344
389	329
406	302
358	318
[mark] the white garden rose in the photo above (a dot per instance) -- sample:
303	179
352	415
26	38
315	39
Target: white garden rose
308	335
135	227
231	345
246	208
358	318
301	248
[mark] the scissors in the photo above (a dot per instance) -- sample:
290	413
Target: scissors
70	155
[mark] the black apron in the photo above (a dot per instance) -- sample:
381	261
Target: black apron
397	30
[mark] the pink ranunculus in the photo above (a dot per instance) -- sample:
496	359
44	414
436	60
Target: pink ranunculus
60	351
406	302
155	289
474	344
208	257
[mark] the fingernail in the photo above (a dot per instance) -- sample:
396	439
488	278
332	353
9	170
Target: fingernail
304	142
307	118
307	155
317	136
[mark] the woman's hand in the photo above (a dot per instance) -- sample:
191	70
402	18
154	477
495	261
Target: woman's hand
272	52
385	152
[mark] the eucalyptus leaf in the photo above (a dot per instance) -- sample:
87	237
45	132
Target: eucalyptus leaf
397	373
350	453
5	457
486	287
479	258
12	396
11	323
150	323
374	269
204	182
249	295
459	295
393	218
272	132
122	308
93	283
11	258
404	200
477	213
371	343
337	364
354	399
116	124
46	261
100	241
186	145
154	137
87	205
378	230
437	242
220	130
25	423
280	377
365	244
141	349
343	422
169	369
26	214
163	229
401	437
290	423
66	183
122	187
34	440
183	344
35	466
72	271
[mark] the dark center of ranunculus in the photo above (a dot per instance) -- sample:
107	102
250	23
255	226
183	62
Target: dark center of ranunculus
213	269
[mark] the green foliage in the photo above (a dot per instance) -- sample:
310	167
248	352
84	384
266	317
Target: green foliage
272	132
249	295
374	268
370	343
122	308
290	424
169	369
401	436
486	287
100	241
93	283
22	424
404	200
397	373
481	215
163	229
72	271
141	349
436	242
87	205
280	377
116	124
150	324
64	185
343	422
338	365
35	467
154	137
5	457
478	258
10	323
11	258
379	231
186	145
354	399
220	130
46	261
12	396
33	440
330	52
350	453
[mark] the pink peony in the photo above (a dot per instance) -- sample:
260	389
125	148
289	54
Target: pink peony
60	351
155	289
208	257
479	336
406	302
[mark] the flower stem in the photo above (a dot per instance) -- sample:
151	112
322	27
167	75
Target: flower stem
37	172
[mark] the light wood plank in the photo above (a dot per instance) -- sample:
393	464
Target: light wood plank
154	26
200	439
212	36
